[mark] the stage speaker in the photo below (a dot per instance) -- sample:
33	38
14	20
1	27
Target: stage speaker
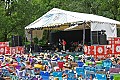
16	41
54	37
103	39
95	37
36	48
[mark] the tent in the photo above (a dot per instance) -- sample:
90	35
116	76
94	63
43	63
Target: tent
58	17
67	20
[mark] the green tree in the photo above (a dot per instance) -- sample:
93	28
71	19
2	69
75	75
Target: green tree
20	13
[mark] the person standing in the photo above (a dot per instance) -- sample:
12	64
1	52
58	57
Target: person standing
63	44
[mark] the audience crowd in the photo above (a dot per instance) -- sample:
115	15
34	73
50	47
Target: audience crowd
58	66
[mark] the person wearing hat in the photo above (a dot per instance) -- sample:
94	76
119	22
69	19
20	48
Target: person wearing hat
39	65
28	65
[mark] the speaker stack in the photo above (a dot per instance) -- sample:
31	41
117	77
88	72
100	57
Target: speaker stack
103	38
95	37
99	37
16	41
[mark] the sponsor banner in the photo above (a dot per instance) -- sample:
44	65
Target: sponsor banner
85	49
13	50
2	50
100	50
7	50
3	44
111	42
117	49
108	49
6	44
117	40
20	49
92	50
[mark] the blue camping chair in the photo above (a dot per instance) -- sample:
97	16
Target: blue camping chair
5	73
18	59
99	68
58	75
45	75
101	76
80	64
87	68
45	62
90	71
31	73
111	77
66	71
107	64
80	71
71	76
93	69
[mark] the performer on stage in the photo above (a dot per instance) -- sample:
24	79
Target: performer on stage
63	44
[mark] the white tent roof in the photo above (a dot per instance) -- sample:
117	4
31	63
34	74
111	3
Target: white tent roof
58	17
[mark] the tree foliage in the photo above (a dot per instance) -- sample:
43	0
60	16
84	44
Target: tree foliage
21	13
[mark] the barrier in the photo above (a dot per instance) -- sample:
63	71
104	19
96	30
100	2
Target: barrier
85	49
7	50
12	50
117	40
2	50
108	49
4	44
117	49
92	50
20	49
100	50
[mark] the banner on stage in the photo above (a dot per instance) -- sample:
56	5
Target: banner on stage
13	50
2	50
7	50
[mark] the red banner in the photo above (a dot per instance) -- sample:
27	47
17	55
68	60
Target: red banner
13	50
85	49
92	50
108	49
6	44
100	50
3	44
20	50
7	51
117	49
116	40
2	49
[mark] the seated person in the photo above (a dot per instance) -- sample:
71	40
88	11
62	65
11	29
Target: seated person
67	65
28	65
39	65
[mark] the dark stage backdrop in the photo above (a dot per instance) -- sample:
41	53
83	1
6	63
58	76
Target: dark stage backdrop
69	36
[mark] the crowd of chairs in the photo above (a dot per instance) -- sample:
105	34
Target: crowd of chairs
102	70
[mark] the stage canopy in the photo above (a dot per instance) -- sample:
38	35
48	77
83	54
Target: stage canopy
67	20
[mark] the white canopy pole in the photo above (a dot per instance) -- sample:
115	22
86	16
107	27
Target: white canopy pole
31	41
83	36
